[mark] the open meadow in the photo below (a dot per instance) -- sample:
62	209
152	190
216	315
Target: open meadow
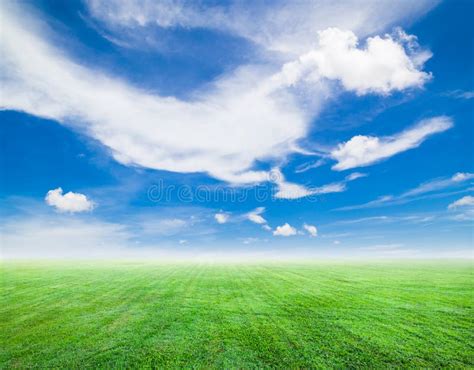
319	315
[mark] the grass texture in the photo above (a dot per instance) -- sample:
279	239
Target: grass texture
311	315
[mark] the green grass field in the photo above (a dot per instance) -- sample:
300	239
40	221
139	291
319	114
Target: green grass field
321	315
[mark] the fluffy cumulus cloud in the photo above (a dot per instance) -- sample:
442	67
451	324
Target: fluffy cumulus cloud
167	133
467	201
285	230
311	230
365	150
385	64
221	218
69	202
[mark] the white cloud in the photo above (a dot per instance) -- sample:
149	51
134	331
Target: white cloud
462	176
422	191
366	150
288	190
69	202
467	201
255	216
389	63
162	132
312	230
355	175
439	184
289	27
221	218
167	133
461	94
285	230
310	165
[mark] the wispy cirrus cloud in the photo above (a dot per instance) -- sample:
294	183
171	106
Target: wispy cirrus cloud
467	201
460	94
286	27
310	165
361	151
256	217
288	190
422	191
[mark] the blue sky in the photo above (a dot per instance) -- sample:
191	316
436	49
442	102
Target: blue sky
190	129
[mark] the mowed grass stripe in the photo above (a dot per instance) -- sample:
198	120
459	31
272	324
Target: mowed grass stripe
272	315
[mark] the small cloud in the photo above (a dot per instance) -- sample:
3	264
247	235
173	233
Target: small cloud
288	190
419	192
266	227
69	202
467	201
310	165
285	230
462	176
355	175
221	218
336	242
312	230
255	216
183	241
460	94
